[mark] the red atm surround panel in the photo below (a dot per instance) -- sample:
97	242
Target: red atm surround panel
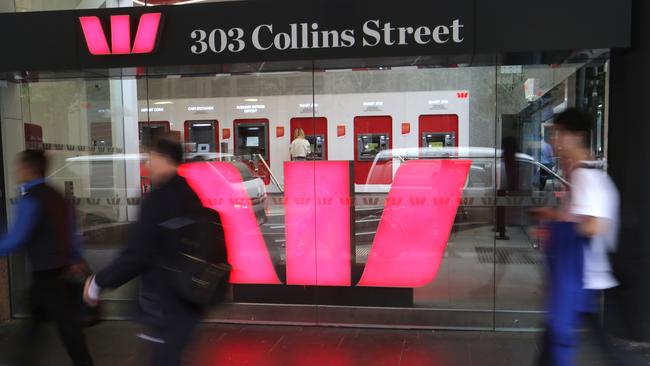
372	125
437	123
215	124
311	126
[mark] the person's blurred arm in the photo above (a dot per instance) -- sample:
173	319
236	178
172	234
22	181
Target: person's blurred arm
26	216
139	254
591	226
549	214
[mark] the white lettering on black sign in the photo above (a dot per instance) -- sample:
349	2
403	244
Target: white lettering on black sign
301	36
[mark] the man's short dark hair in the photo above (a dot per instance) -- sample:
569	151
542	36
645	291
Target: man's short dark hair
35	160
169	148
575	120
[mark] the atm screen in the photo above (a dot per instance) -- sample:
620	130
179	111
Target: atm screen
371	148
436	144
371	145
252	141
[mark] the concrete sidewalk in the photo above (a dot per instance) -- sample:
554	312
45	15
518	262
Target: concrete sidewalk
116	344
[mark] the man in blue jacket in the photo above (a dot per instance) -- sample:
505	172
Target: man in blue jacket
44	227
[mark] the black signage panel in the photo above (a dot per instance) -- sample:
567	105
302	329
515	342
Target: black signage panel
266	30
38	41
520	26
249	31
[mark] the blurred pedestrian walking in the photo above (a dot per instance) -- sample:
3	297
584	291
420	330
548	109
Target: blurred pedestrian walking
45	227
183	280
583	232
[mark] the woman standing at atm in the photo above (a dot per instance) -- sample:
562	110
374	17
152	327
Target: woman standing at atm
300	147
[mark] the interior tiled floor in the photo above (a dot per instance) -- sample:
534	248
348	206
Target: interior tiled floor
115	343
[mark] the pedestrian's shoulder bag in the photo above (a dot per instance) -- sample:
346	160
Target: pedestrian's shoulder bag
198	266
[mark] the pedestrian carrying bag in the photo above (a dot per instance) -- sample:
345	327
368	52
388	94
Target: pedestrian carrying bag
198	267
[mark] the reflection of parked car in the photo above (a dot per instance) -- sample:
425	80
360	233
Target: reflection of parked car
482	175
97	183
486	176
253	184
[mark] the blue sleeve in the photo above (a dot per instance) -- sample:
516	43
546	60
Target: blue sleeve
26	216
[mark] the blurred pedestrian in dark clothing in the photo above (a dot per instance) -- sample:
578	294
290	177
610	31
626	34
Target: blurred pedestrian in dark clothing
583	232
148	247
45	227
509	182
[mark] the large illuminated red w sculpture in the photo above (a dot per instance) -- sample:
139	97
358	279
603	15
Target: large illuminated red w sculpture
408	246
146	35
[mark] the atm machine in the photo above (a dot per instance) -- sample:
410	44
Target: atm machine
251	141
373	134
147	134
315	132
201	136
438	131
149	131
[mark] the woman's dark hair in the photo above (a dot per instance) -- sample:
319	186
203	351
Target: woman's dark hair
574	120
35	160
169	148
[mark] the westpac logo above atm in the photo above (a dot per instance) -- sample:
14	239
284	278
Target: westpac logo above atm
120	34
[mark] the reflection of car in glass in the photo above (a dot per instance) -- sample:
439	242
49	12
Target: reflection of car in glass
97	185
253	184
482	174
487	175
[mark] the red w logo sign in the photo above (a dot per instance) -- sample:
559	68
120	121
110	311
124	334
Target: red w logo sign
408	246
462	95
145	41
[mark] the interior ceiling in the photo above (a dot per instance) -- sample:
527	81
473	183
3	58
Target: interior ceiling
438	61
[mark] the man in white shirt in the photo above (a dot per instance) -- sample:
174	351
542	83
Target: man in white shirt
591	209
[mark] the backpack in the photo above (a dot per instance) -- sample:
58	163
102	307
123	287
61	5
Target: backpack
198	265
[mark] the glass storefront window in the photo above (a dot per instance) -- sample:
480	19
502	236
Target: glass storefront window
410	209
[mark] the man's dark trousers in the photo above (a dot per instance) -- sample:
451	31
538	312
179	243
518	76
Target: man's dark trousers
54	299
